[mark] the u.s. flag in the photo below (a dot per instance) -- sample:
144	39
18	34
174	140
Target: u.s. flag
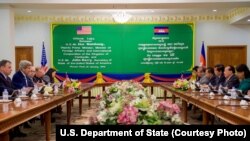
161	30
44	59
84	30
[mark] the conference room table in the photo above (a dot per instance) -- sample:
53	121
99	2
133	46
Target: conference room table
13	114
229	110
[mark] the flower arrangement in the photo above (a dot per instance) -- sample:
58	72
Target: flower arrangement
48	89
71	85
127	102
181	84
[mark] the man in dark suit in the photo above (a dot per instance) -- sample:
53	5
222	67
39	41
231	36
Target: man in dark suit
31	76
210	76
219	72
5	81
231	79
20	78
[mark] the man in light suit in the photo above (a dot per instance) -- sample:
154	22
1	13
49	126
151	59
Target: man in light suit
20	78
5	81
201	78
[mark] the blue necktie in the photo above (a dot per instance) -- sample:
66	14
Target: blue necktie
26	81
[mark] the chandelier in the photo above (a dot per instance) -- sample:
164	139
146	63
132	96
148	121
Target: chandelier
121	17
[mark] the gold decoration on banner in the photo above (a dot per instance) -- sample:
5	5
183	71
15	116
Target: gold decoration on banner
99	78
147	78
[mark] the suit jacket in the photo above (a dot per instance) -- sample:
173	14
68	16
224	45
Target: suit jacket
233	81
212	80
37	80
48	78
30	82
19	80
203	80
5	84
220	80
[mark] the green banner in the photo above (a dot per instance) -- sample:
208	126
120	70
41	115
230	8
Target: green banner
123	48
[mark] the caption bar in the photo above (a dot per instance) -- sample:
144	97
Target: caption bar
95	132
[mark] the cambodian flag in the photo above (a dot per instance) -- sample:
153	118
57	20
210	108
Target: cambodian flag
161	30
203	56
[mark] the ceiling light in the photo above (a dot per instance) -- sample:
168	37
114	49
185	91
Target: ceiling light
121	17
215	10
29	11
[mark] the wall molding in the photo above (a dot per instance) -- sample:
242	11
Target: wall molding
231	17
238	13
134	19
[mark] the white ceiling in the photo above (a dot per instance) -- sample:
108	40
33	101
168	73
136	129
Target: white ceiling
137	7
152	11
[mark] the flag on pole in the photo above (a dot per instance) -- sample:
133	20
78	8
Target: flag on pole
44	59
203	56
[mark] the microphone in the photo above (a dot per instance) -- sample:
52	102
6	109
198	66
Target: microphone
182	75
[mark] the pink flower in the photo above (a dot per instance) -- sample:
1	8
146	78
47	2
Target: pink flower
166	104
98	97
128	115
176	109
168	107
71	90
110	97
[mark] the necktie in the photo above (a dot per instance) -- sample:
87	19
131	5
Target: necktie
26	81
8	80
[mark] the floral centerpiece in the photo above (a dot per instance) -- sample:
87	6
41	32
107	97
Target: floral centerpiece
48	90
127	102
71	85
181	84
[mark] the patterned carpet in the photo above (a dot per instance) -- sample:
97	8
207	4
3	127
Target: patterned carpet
37	132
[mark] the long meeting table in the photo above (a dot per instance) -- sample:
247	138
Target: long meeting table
13	114
228	110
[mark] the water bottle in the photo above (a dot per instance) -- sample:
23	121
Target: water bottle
55	89
210	87
23	91
35	90
5	95
233	93
220	90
